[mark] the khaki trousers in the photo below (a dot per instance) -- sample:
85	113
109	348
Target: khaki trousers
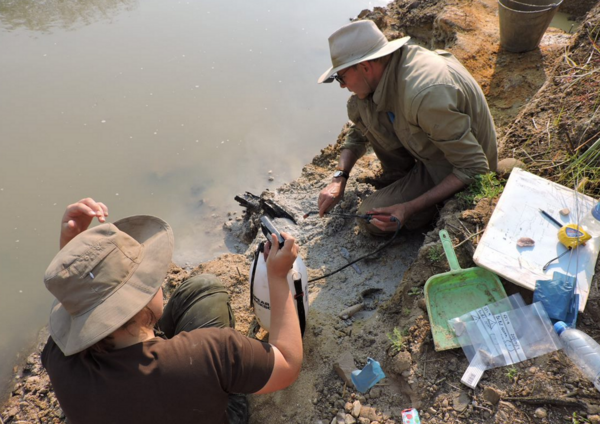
409	187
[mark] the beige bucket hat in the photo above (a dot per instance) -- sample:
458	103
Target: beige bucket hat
357	42
104	276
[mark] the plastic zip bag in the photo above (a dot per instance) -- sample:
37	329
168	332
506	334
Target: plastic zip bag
503	333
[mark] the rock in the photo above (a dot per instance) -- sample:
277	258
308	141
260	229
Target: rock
364	421
422	304
349	419
491	395
356	407
401	362
540	413
344	367
594	419
340	418
505	166
375	392
460	402
368	413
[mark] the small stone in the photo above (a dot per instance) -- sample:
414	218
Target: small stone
505	166
356	407
344	367
564	212
491	395
401	362
540	413
422	304
525	242
369	413
375	392
349	419
594	419
461	401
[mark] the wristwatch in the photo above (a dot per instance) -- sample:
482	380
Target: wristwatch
340	173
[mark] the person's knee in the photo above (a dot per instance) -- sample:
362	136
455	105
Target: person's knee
203	283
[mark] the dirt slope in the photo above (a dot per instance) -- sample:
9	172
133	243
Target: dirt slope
526	93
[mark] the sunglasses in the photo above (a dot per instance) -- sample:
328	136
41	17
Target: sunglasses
339	78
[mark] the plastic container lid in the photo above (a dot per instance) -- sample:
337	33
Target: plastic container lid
559	327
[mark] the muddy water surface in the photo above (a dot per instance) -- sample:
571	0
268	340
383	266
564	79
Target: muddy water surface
153	107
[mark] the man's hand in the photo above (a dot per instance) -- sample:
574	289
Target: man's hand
399	211
331	195
78	217
280	258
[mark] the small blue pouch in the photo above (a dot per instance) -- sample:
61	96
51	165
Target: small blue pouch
558	297
367	377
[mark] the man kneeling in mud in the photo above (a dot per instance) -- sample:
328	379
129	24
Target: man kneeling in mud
116	356
423	114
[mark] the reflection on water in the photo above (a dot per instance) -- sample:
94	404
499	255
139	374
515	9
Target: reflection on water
36	15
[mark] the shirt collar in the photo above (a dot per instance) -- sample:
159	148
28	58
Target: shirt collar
383	96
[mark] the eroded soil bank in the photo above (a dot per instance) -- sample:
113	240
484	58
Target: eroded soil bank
527	93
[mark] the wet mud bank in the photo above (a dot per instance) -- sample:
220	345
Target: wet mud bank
526	92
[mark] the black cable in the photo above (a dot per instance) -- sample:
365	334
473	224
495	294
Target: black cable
386	244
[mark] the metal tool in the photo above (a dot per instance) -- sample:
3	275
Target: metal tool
367	216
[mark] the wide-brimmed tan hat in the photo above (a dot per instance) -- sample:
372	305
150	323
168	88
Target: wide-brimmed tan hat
104	276
358	42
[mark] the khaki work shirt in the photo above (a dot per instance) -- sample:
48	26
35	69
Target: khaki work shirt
439	112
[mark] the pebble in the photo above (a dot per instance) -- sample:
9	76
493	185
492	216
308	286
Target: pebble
369	413
594	419
461	401
505	166
340	418
356	407
401	362
491	395
540	413
349	419
375	392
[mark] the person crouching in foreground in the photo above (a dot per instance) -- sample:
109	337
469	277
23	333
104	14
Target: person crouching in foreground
116	356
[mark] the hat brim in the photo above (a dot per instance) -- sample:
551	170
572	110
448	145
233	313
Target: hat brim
76	333
390	47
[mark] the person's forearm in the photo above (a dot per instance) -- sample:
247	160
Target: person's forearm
347	160
449	185
285	333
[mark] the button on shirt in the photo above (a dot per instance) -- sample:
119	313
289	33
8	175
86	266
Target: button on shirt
428	104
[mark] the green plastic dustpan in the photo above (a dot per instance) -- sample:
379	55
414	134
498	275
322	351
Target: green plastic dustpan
454	293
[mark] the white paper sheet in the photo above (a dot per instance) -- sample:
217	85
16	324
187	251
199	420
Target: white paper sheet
518	215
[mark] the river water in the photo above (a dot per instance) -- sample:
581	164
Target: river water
168	108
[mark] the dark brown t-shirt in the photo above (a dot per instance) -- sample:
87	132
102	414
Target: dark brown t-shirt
182	380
